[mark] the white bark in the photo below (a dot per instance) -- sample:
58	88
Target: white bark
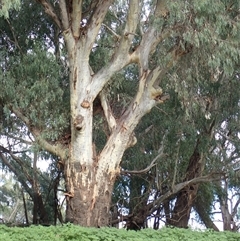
95	176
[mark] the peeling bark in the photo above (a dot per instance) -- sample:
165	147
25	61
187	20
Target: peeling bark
88	208
90	176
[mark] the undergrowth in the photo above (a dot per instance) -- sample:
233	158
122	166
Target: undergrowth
71	232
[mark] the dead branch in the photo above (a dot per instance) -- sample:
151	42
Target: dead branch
152	164
110	30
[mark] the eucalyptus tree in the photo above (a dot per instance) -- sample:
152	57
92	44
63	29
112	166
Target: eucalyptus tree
208	115
12	201
6	5
101	39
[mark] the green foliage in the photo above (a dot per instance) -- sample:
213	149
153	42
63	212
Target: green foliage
71	232
36	82
6	5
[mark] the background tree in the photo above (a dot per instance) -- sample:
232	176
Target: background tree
191	125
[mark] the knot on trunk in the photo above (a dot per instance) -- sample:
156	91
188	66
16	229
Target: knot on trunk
132	141
78	122
158	95
85	104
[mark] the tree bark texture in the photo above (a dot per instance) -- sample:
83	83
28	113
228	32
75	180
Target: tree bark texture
90	176
186	197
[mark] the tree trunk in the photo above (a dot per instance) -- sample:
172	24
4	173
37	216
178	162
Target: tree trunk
39	213
25	208
200	209
89	176
138	202
227	217
167	212
86	208
186	197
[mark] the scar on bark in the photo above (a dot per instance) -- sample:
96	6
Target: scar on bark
85	104
158	95
75	78
78	122
132	141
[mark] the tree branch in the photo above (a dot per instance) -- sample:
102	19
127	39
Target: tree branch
14	36
64	15
57	150
152	164
18	139
107	111
121	57
110	30
50	11
178	187
18	161
235	208
76	17
96	20
130	29
17	173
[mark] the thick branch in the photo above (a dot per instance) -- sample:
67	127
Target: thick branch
76	17
178	187
57	150
96	20
200	209
20	115
121	57
64	14
50	11
130	29
17	174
